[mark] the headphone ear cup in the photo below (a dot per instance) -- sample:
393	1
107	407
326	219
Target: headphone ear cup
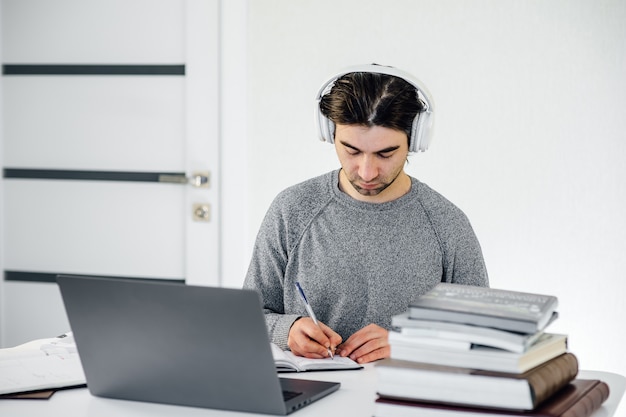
330	126
421	132
326	128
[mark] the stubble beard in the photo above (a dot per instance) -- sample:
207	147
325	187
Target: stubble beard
369	192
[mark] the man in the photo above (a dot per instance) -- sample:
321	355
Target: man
365	240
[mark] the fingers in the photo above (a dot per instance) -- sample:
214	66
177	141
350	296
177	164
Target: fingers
332	336
367	345
310	340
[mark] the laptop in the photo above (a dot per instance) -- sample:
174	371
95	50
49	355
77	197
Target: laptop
167	342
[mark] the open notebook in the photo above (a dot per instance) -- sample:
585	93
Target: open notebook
172	343
286	361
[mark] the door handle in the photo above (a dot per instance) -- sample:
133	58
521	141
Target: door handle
198	179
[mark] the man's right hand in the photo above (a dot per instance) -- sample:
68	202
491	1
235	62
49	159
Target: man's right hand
312	341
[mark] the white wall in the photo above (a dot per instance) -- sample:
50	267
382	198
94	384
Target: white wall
529	137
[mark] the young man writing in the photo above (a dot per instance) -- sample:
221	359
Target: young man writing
365	240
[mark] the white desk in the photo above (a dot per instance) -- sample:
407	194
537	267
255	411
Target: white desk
355	398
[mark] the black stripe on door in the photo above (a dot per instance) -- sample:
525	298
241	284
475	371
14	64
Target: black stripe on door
61	174
50	277
91	69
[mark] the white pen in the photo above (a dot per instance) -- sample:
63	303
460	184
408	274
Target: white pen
311	313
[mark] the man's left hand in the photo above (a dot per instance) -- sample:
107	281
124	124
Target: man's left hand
369	344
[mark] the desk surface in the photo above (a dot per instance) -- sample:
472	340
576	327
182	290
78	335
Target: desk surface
355	398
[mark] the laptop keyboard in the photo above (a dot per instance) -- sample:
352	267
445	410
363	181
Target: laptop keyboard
288	395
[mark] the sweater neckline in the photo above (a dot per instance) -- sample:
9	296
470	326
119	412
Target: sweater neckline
345	199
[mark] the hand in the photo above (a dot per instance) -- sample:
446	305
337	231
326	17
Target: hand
367	345
312	341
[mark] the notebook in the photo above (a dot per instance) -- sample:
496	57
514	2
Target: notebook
164	342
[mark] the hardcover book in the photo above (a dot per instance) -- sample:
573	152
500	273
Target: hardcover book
482	306
549	345
427	341
579	398
477	335
425	382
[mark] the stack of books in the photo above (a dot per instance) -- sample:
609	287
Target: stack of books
464	350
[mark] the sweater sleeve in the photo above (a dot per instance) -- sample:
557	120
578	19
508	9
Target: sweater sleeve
463	258
286	219
267	270
463	261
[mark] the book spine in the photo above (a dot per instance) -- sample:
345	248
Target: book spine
551	376
590	402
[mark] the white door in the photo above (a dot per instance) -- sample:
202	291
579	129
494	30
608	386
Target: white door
110	149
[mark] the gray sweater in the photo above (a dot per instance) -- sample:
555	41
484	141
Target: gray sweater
359	263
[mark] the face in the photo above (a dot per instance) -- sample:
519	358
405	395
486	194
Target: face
372	161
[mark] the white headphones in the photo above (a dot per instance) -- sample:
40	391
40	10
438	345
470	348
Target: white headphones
421	130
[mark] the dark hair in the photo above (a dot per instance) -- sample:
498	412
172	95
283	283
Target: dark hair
372	99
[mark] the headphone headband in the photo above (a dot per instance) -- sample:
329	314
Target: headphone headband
421	130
